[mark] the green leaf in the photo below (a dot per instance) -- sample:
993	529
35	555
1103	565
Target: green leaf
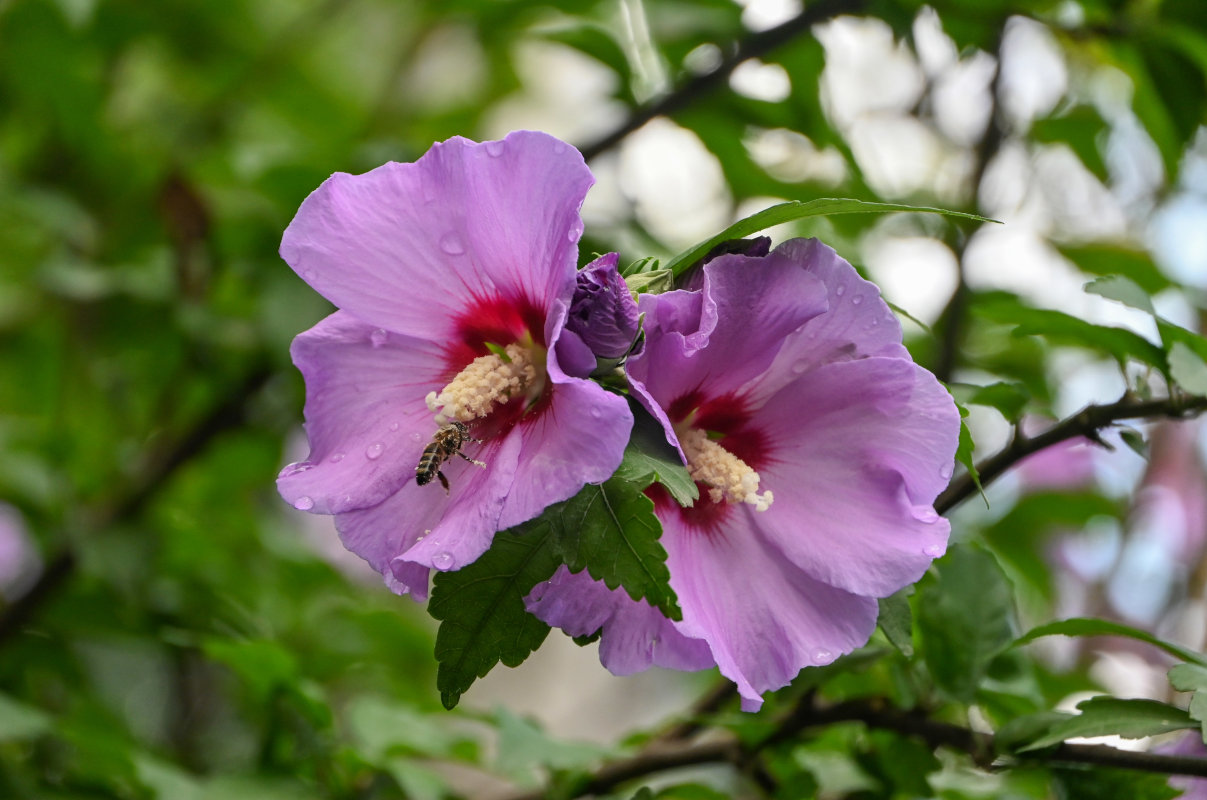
523	746
1122	289
481	608
1062	328
19	721
1109	260
1112	716
1192	678
1082	626
965	619
656	282
964	453
897	621
1009	398
1081	129
1101	783
263	665
650	457
610	530
1187	369
794	210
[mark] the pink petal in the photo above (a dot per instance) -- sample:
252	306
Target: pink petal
763	618
407	246
860	450
635	635
365	414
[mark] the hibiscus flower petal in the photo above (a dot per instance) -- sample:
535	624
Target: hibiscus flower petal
365	416
747	307
410	247
763	618
579	438
635	635
425	525
860	449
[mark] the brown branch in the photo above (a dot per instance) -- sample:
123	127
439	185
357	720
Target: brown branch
1087	422
879	714
754	46
158	469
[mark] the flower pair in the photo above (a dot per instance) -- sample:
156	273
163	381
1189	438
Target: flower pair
466	335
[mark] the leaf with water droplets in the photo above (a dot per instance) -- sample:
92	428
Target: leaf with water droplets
481	610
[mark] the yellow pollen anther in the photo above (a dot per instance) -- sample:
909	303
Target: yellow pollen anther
486	381
727	476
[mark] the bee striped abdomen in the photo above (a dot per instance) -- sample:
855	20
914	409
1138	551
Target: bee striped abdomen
444	445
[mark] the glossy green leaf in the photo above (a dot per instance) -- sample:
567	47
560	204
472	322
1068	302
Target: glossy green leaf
794	210
1082	626
1112	716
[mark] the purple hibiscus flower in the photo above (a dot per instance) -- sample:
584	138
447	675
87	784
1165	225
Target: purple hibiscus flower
453	277
818	447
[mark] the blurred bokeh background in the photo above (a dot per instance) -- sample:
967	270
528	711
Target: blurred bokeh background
169	628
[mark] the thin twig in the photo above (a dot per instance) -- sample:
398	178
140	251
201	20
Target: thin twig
1088	423
753	46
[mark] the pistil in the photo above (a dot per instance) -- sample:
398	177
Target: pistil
727	476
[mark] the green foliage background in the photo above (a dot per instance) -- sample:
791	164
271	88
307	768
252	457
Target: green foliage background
186	638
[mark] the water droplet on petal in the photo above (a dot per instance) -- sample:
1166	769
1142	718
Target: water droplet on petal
495	148
378	337
840	291
800	367
303	503
443	561
393	426
374	450
822	656
856	300
336	458
294	468
576	231
934	550
451	244
945	471
415	437
596	413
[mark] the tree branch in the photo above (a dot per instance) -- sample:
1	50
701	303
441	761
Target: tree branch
1087	422
879	714
753	46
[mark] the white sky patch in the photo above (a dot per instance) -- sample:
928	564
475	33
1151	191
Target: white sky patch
866	70
916	273
792	157
1178	237
1034	77
761	81
676	185
759	15
564	93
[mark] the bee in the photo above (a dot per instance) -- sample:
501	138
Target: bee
444	445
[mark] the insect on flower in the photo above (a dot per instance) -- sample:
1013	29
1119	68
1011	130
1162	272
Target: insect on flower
444	445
